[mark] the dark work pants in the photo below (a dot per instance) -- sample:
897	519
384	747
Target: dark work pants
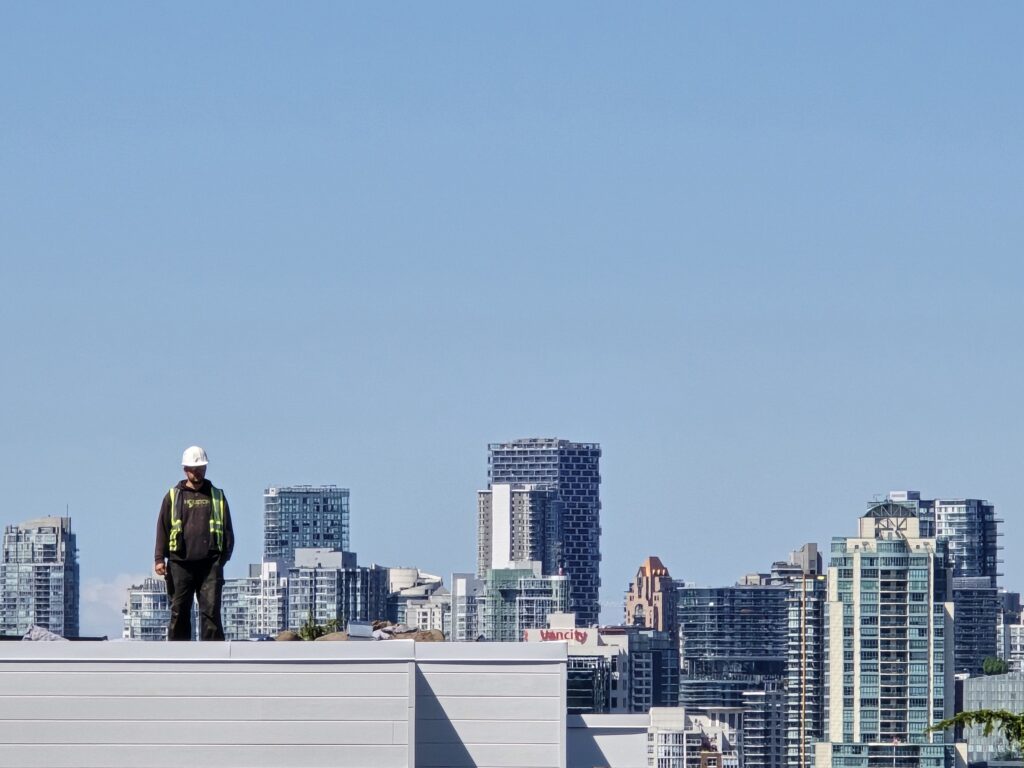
186	580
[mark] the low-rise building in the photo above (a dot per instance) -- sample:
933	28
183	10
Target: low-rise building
329	587
614	669
677	739
419	600
598	668
433	612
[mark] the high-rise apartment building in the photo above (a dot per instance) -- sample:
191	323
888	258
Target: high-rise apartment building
303	517
732	639
572	470
39	577
328	586
255	607
764	726
517	523
970	527
972	530
805	668
889	655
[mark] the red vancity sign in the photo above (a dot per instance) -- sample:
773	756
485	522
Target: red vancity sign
576	635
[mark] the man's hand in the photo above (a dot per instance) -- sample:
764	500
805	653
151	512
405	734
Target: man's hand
160	568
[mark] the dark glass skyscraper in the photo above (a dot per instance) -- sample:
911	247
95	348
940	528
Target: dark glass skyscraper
732	639
573	470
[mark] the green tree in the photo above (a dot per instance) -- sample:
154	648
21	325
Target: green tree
1010	725
311	630
993	665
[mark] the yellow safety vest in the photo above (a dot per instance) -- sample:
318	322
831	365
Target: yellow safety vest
216	519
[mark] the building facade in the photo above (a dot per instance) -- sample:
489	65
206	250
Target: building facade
972	530
520	598
433	612
805	669
653	668
764	728
255	607
977	607
999	692
407	586
572	471
516	523
614	670
467	604
678	739
651	598
731	639
598	672
39	577
329	587
889	656
303	517
147	611
1010	640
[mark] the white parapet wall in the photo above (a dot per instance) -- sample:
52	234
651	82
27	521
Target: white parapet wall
607	741
490	704
385	704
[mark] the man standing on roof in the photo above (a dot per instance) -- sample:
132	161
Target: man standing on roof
193	541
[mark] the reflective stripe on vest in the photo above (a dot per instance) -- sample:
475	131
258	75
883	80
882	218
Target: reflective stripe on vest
216	520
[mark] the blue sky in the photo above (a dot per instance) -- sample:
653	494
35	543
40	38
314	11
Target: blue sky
768	256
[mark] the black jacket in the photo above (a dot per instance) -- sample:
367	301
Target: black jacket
195	508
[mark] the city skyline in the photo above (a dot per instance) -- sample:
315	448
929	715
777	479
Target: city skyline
767	257
611	613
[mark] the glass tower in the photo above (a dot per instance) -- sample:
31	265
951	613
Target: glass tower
303	517
39	577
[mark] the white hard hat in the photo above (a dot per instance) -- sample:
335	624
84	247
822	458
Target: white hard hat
194	457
